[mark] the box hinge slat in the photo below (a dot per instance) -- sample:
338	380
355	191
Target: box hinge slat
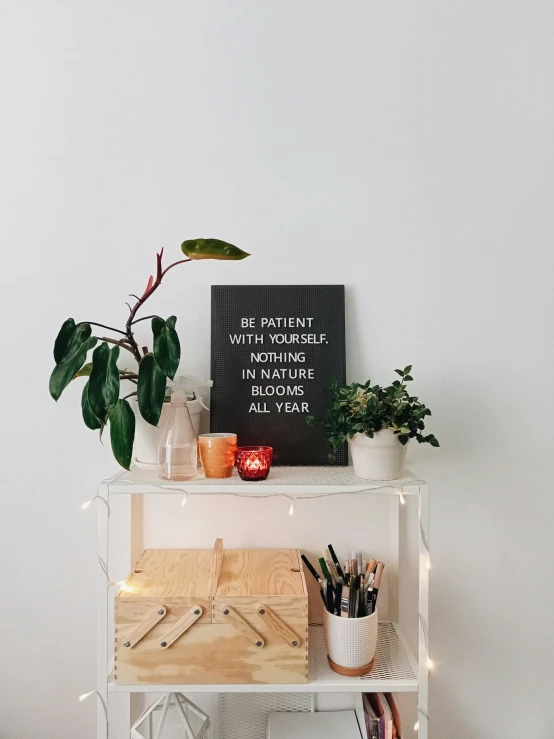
241	625
278	625
145	626
184	623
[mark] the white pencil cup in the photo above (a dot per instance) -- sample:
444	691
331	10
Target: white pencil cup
351	643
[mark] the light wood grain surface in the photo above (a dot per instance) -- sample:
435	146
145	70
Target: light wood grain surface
171	572
211	654
260	572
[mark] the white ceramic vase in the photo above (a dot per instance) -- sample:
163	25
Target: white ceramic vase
379	458
147	437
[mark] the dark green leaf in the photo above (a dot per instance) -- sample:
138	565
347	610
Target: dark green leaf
399	372
403	438
407	369
150	390
407	378
65	372
88	416
122	432
212	249
85	370
167	349
433	440
103	390
70	339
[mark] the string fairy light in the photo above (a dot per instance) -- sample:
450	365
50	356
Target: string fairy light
186	493
87	503
121	584
100	697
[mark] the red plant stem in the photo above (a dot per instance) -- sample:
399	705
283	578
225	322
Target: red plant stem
159	275
181	261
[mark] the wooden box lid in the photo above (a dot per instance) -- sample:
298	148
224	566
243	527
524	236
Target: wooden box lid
260	572
206	573
170	573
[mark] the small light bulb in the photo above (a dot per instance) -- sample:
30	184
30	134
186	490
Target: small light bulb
291	509
416	726
85	695
86	504
429	663
402	498
123	586
428	564
184	501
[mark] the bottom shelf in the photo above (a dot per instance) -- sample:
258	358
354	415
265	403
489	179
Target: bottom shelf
394	670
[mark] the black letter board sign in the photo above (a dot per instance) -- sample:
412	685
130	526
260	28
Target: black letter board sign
275	350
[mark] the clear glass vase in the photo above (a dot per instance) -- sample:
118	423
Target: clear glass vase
178	447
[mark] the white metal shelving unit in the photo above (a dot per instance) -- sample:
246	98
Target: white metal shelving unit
396	668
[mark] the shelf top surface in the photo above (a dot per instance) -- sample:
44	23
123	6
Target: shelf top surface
394	670
292	481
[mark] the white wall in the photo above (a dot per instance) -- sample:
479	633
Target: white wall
403	149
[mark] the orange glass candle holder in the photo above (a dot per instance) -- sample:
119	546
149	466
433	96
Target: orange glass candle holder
253	462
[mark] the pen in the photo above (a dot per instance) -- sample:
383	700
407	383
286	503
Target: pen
371	565
330	596
377	583
338	597
330	565
344	601
352	599
323	565
313	572
335	561
311	568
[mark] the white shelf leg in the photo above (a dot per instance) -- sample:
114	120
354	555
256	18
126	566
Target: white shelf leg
423	608
102	612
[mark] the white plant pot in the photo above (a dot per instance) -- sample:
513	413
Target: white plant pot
379	458
147	437
351	642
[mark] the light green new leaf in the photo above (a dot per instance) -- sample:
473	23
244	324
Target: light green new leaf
212	249
63	373
150	390
122	432
103	384
70	339
88	416
85	370
167	349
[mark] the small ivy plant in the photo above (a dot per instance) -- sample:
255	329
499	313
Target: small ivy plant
367	409
149	370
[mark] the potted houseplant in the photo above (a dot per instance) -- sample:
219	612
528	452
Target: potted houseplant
147	373
378	422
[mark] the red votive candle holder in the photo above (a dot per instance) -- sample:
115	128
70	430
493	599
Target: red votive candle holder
253	462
